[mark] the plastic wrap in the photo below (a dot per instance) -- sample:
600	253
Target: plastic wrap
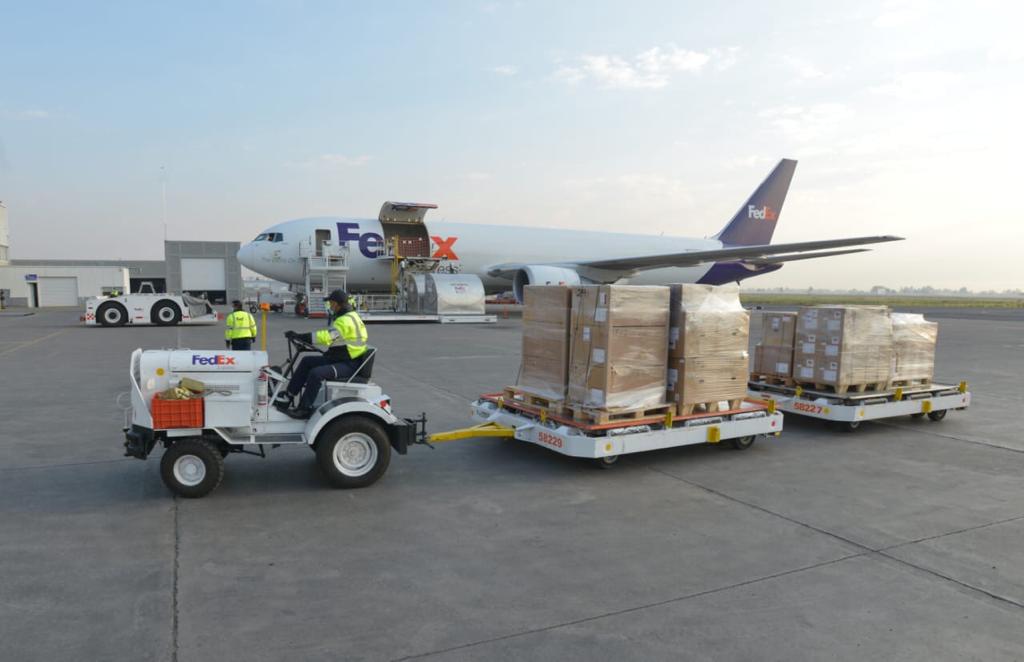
196	307
843	346
773	361
547	303
621	305
778	329
619	346
773	355
914	340
702	379
545	366
708	344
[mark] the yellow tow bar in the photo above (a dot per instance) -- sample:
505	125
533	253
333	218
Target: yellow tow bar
490	429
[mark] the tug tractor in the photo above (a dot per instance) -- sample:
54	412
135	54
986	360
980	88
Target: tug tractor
352	429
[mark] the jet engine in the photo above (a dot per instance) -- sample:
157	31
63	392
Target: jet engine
543	275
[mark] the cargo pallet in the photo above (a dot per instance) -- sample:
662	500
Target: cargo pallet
604	443
847	411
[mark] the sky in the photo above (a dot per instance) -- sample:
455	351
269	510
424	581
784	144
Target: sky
647	117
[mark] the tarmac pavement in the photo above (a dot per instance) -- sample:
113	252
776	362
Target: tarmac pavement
902	541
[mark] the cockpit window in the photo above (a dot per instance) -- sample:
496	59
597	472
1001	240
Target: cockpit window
276	237
261	237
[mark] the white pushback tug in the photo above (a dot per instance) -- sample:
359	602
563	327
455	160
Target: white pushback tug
352	429
145	309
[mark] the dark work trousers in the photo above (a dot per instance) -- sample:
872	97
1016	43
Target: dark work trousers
241	344
312	371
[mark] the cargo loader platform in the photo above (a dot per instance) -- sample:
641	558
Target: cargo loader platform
848	411
605	443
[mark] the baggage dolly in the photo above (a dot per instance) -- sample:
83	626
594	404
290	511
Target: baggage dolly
605	443
847	411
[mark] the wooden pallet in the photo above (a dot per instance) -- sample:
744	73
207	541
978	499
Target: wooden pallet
605	416
774	380
910	383
516	394
690	408
843	389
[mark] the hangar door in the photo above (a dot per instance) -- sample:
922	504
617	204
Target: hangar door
58	291
204	276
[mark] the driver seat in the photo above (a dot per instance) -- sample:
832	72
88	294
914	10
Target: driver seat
365	370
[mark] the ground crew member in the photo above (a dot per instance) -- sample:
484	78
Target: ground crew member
346	344
241	328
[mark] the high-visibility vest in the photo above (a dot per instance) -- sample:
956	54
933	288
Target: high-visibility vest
347	330
240	325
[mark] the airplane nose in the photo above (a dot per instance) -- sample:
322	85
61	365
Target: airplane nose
245	255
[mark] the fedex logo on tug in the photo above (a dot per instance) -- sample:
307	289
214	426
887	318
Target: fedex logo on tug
764	213
218	359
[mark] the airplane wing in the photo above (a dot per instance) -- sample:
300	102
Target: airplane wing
764	254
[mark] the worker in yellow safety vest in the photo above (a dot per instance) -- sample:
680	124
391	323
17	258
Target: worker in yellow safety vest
241	329
345	340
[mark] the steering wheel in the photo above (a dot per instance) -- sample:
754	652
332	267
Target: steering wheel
302	345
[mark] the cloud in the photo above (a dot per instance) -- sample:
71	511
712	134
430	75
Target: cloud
651	69
803	68
916	85
805	123
897	13
476	176
28	114
505	70
1007	51
331	161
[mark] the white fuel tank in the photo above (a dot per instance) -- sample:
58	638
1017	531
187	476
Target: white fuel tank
231	380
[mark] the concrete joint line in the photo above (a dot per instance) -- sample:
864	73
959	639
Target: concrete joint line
629	610
867	550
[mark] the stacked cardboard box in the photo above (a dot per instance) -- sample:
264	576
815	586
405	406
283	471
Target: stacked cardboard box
545	367
914	348
843	346
773	355
619	346
708	340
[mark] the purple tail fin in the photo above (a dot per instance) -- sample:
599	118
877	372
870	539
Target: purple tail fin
754	223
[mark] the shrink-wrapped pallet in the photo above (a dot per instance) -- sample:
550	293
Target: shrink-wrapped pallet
619	346
914	340
843	347
773	355
545	366
708	345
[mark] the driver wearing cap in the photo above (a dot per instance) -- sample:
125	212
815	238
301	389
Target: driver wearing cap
345	340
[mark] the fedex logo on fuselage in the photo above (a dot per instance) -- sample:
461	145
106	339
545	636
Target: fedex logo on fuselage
764	213
217	359
371	244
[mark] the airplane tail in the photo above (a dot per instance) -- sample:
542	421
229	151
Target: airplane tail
754	223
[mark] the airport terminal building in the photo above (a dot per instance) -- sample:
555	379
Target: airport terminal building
208	269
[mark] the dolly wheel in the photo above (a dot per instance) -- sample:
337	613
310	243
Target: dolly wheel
192	468
849	426
353	451
742	443
937	415
606	462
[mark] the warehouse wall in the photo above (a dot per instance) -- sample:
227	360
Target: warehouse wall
179	253
90	280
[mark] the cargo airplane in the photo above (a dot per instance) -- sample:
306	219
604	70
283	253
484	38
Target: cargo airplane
516	256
